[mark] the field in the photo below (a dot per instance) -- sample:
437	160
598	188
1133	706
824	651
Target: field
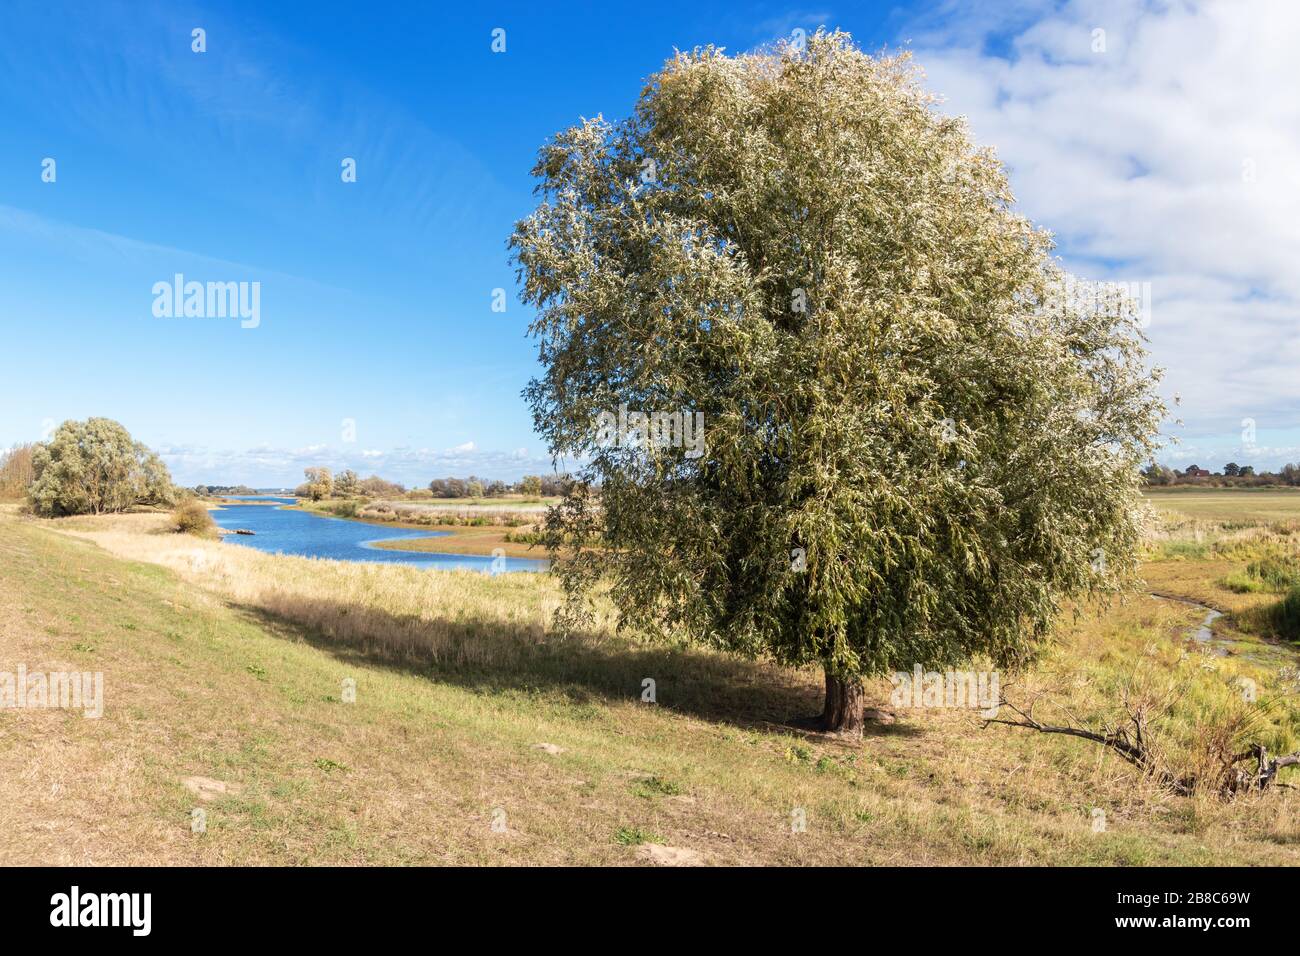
1230	504
479	736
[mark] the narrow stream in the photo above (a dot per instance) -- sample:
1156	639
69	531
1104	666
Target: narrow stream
1205	633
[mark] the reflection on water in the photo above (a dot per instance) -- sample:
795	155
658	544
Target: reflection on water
281	531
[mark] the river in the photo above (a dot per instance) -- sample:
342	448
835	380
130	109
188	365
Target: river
283	531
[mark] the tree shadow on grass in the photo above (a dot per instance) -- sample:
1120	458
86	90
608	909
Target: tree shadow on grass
489	657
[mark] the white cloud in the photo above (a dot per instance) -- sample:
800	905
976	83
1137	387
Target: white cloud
1173	157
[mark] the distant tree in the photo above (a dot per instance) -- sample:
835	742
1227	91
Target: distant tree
1291	474
448	487
531	485
554	485
496	488
16	471
1158	475
320	483
376	487
346	484
1231	470
916	444
474	488
218	490
95	467
1245	471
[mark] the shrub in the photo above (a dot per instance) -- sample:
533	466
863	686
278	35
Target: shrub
1286	615
190	517
1271	574
1275	572
1241	583
345	509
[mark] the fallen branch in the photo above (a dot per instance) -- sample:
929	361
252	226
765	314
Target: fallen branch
1133	749
1266	770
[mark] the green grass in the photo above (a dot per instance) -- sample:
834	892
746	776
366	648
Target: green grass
634	836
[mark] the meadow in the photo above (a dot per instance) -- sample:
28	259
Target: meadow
479	735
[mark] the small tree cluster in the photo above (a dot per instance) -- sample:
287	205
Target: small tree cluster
471	487
319	484
17	471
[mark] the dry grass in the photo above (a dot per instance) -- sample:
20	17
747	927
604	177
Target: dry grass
463	540
228	663
393	611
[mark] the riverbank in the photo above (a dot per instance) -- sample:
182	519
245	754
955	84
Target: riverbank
461	536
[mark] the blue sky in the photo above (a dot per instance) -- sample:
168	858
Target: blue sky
376	295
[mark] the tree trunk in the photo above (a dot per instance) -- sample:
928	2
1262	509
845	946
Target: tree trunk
845	705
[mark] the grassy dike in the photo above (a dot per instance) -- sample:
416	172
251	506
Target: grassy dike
227	664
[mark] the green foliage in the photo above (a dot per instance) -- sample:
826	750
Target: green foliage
635	836
94	467
319	484
1181	551
1158	475
343	509
1241	583
657	787
190	517
1286	615
1277	572
1270	574
346	484
798	753
917	444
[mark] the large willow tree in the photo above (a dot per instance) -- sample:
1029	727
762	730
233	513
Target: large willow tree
96	467
915	445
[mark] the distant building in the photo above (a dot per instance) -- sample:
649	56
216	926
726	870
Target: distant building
1194	472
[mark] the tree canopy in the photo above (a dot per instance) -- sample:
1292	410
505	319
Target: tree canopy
918	437
95	467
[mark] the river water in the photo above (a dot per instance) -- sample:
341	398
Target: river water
282	531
